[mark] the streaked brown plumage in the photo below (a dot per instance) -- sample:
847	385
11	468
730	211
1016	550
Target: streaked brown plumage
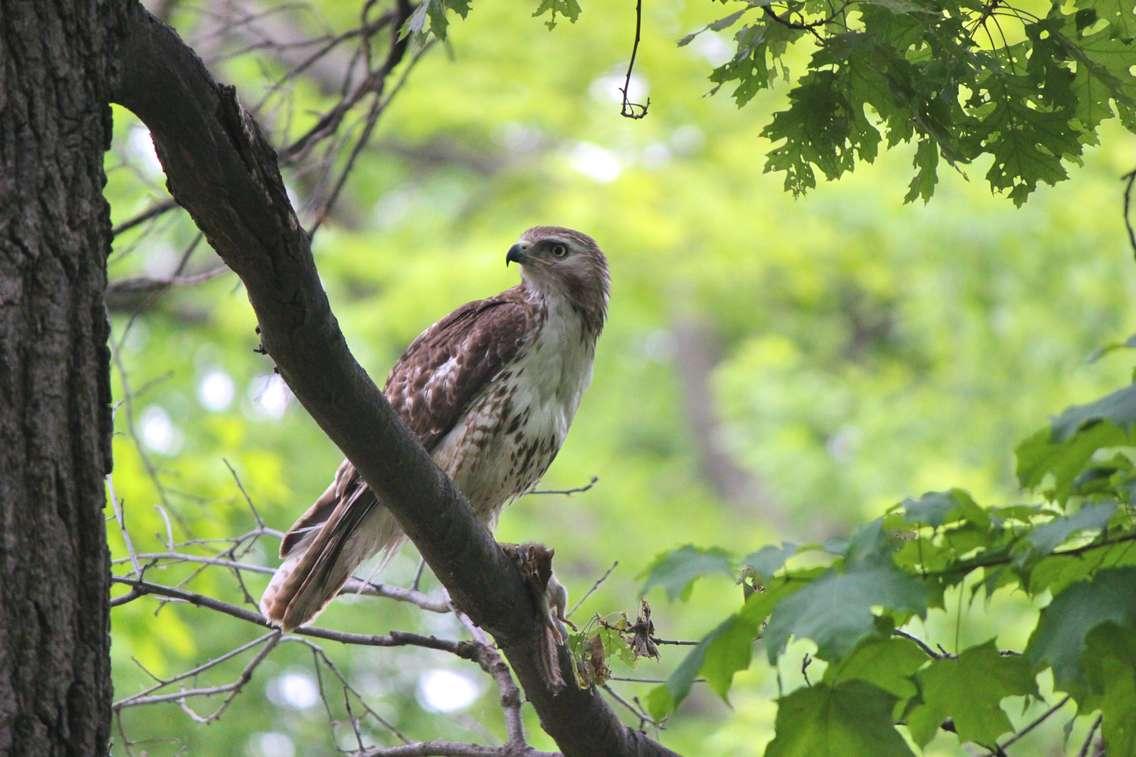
490	390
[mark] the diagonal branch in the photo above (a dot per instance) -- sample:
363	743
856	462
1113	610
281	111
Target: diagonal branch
222	170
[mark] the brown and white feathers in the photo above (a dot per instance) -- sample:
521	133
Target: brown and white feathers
490	391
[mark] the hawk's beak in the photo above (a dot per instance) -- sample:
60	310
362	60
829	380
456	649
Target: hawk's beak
516	254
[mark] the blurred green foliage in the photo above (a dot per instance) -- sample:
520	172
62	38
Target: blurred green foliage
856	351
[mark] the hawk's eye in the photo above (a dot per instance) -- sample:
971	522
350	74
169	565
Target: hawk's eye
558	250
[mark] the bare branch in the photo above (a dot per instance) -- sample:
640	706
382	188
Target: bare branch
230	689
414	597
207	665
121	293
465	650
492	664
146	215
378	105
320	657
353	585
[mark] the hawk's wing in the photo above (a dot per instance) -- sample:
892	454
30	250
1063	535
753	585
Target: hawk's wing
442	370
430	387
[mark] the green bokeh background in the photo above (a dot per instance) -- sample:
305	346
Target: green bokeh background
856	351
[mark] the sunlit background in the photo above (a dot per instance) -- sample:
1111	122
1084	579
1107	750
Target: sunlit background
773	368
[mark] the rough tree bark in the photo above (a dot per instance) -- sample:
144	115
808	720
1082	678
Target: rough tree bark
55	417
221	169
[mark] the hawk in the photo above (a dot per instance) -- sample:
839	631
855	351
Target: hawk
490	391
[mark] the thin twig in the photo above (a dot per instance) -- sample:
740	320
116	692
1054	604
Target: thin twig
244	492
453	749
675	642
1088	744
319	656
638	712
633	679
918	642
809	26
568	492
208	664
150	213
595	586
629	109
1129	179
492	663
1034	724
120	517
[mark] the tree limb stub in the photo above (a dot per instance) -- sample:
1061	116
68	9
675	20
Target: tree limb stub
222	170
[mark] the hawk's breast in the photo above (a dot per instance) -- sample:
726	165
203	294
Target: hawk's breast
512	431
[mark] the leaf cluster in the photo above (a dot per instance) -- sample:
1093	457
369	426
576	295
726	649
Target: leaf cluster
960	79
1072	552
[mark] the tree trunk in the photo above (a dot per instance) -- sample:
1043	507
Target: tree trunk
55	418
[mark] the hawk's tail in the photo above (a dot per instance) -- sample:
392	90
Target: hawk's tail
320	552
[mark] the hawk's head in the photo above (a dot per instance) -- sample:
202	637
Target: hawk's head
559	261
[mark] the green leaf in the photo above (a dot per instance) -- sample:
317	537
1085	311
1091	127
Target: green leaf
937	508
835	610
724	22
1055	573
898	6
1041	455
850	718
1027	142
926	163
435	11
676	571
886	663
768	560
1104	63
754	64
730	651
1047	537
969	689
1118	408
820	128
870	544
569	9
1059	639
1118	13
1110	666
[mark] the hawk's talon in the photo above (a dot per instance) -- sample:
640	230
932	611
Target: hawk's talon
535	564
